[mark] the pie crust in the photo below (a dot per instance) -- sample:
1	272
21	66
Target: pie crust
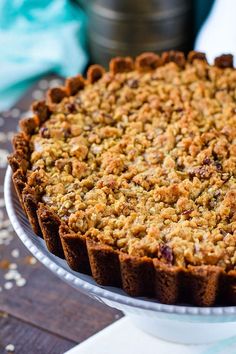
204	285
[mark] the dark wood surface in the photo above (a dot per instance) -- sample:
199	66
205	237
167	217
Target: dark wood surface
31	337
45	316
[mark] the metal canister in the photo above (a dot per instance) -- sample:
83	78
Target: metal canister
130	27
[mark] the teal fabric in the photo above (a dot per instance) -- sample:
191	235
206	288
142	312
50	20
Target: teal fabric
201	11
37	37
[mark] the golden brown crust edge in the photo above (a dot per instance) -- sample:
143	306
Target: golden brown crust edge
75	250
49	224
199	285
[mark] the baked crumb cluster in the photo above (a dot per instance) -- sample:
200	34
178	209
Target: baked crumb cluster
145	162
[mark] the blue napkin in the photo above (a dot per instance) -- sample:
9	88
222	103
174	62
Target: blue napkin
37	37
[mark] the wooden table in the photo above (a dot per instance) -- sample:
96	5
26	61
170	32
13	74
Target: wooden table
45	316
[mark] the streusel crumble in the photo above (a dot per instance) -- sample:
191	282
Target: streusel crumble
145	162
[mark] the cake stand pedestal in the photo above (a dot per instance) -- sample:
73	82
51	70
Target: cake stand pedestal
123	337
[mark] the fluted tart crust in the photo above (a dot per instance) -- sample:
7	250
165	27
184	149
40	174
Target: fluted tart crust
130	175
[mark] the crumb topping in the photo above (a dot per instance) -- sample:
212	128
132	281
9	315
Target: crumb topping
146	162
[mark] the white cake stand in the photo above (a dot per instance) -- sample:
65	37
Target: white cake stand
180	324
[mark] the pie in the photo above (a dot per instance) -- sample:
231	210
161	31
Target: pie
130	175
